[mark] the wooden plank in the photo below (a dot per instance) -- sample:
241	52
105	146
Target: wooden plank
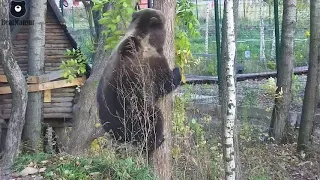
3	78
58	94
47	85
45	105
64	90
57	115
50	76
62	99
47	96
59	104
30	79
58	110
39	79
47	115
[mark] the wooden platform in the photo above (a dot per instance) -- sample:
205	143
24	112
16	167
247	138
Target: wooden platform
193	79
59	95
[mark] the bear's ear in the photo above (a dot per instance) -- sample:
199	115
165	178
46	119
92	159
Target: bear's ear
23	3
134	16
154	21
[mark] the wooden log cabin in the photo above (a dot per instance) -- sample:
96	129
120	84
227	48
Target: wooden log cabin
58	95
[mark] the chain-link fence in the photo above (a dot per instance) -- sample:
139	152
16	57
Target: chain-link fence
255	37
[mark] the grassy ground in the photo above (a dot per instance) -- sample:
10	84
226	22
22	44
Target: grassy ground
260	161
197	150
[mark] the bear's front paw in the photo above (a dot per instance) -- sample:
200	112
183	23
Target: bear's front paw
177	76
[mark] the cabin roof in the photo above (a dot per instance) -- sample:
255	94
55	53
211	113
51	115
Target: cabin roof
62	22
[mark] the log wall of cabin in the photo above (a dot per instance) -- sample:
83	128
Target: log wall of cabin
55	48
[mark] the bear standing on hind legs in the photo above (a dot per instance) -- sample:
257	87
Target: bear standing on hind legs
136	77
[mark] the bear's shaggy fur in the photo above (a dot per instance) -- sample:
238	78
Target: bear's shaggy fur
136	76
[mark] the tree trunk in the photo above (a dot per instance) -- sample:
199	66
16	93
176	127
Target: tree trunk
309	101
262	42
162	156
207	30
237	122
244	9
88	8
85	114
228	103
273	45
36	56
18	87
280	116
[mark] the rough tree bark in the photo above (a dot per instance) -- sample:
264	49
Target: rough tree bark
162	156
85	114
228	89
88	7
280	115
36	56
18	87
309	101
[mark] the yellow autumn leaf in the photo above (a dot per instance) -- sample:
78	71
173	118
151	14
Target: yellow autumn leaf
97	125
95	145
183	78
307	33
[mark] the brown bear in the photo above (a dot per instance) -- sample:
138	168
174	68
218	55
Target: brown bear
136	77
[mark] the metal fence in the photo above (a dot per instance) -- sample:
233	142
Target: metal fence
255	25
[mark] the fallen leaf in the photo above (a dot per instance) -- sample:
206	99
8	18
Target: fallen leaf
28	170
95	174
31	164
42	170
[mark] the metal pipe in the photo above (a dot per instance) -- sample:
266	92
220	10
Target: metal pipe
277	32
61	6
197	9
217	23
149	3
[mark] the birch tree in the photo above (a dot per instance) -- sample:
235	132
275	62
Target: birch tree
207	29
262	42
273	45
228	90
237	122
309	101
36	49
280	115
18	88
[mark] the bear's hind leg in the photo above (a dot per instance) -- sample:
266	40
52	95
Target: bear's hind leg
156	137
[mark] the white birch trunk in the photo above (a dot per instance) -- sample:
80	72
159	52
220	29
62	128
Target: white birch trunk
273	45
262	42
230	100
207	30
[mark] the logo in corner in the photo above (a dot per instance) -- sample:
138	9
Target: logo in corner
18	8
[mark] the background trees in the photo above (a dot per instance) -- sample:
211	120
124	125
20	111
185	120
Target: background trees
196	132
312	86
280	115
